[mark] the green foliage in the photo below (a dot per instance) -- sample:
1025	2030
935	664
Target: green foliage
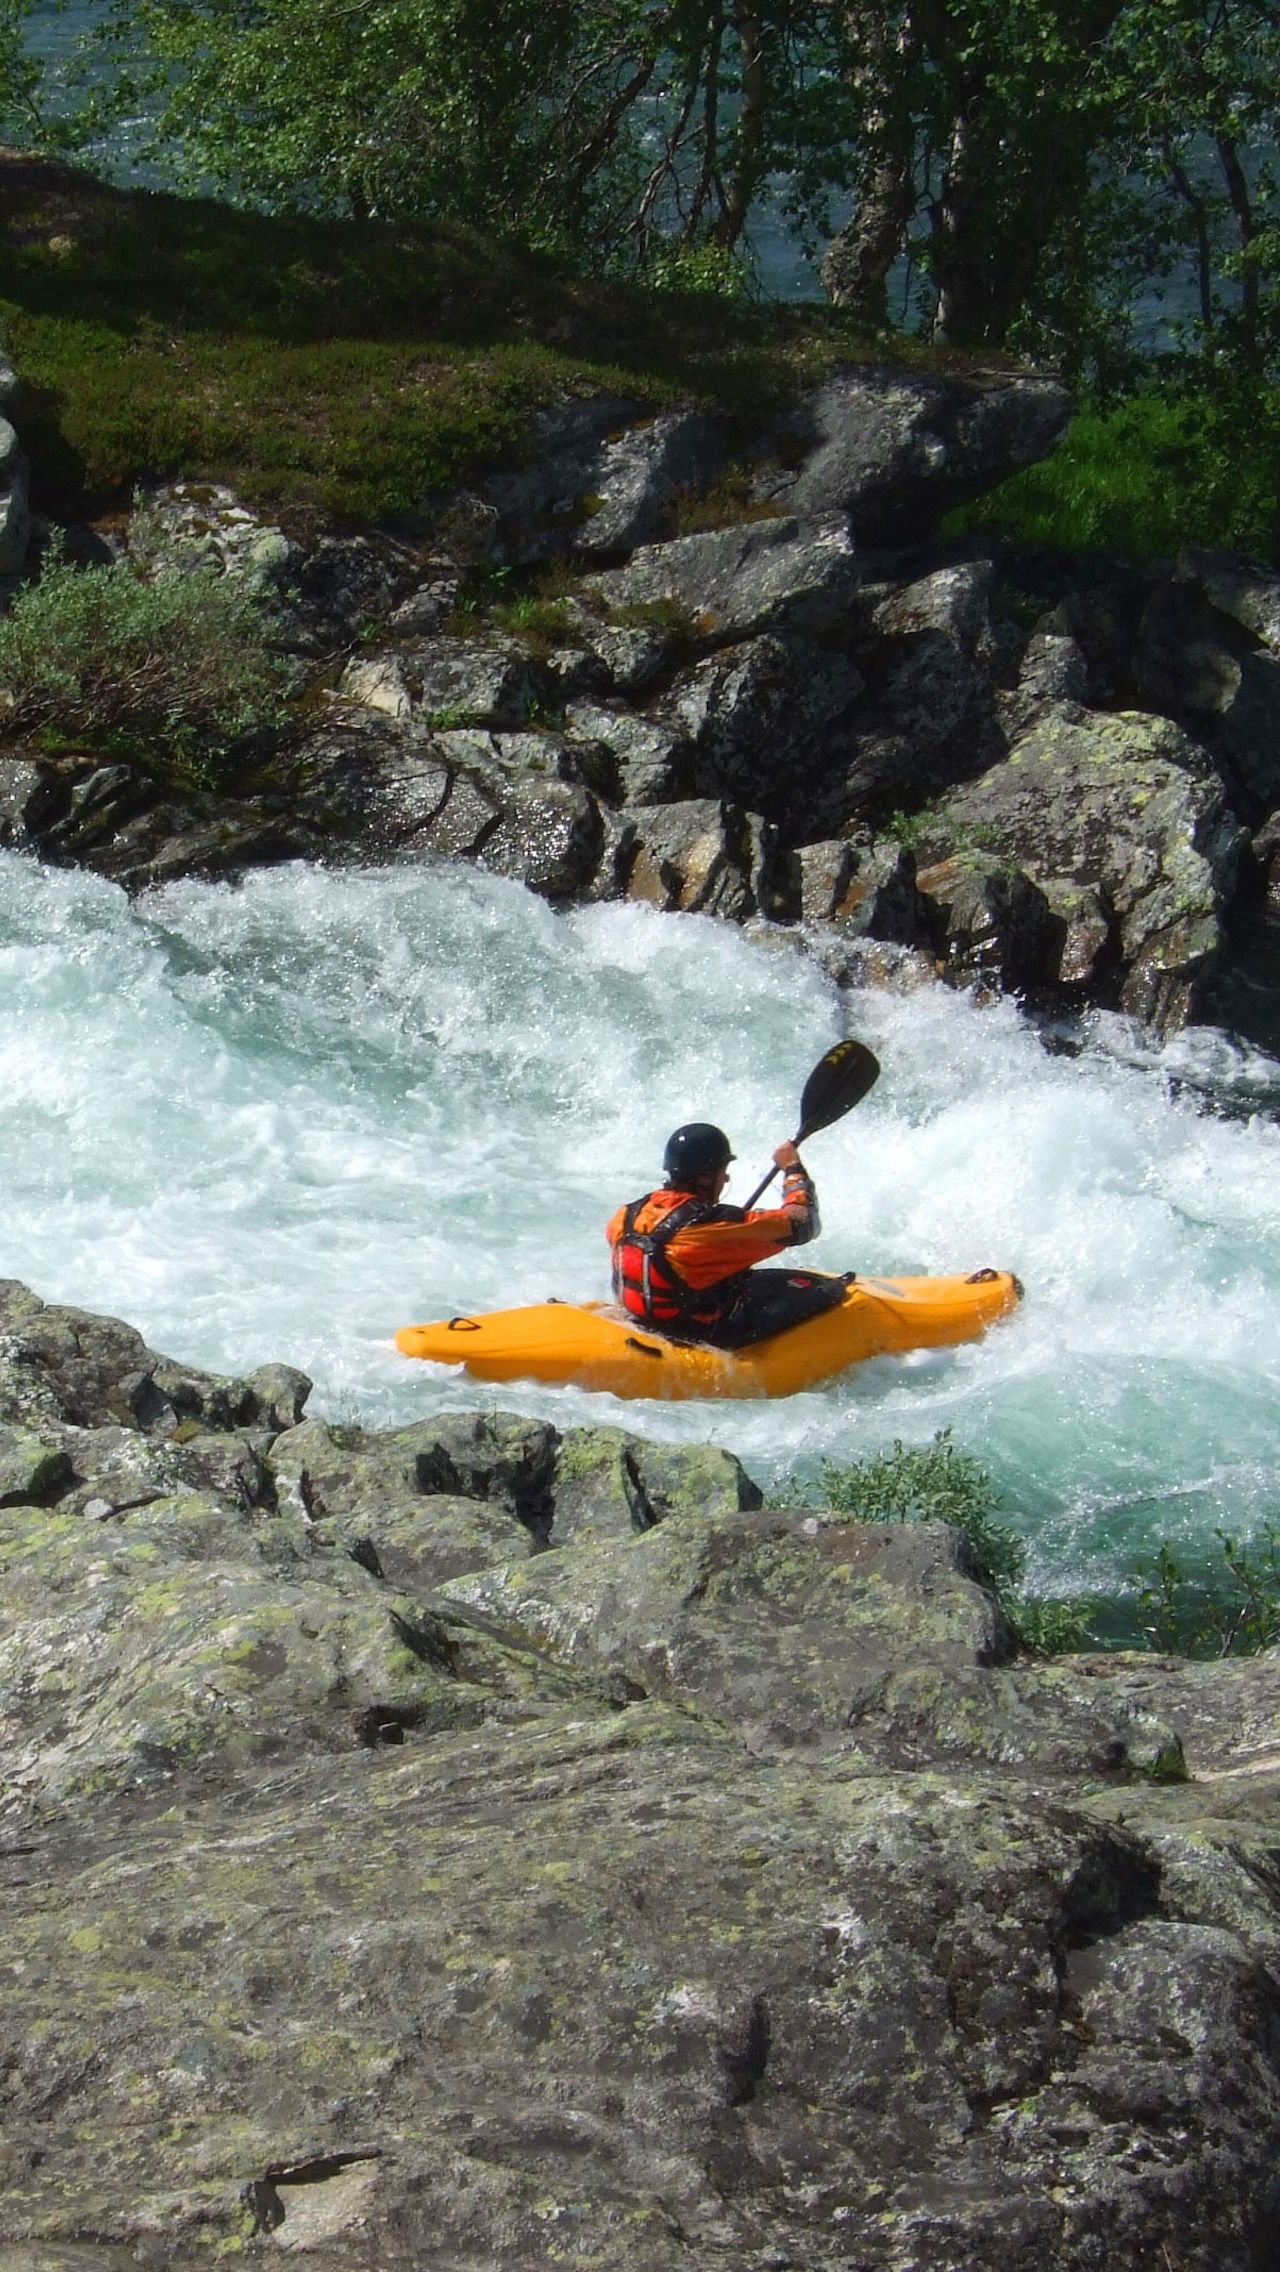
19	71
171	672
935	1483
939	1483
541	624
330	370
707	268
1230	1609
1039	166
1167	467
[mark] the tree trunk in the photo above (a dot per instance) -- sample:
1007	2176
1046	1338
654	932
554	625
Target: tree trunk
858	261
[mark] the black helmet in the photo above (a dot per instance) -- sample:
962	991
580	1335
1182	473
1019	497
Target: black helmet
695	1153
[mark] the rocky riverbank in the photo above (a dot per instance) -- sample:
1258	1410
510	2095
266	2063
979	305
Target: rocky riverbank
472	1844
765	688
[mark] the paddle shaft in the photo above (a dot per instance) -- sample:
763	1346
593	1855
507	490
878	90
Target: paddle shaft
774	1170
839	1080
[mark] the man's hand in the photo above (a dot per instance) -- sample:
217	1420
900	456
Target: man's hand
787	1156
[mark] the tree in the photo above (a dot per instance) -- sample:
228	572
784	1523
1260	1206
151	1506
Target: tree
1031	162
20	73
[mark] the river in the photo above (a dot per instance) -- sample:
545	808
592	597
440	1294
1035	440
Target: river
277	1120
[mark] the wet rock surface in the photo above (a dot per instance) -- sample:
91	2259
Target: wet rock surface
469	1844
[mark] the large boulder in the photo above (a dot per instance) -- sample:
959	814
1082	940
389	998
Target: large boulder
516	803
653	760
448	682
766	575
770	1621
1199	664
928	716
1243	590
701	856
860	890
766	721
1126	809
599	478
716	1884
895	449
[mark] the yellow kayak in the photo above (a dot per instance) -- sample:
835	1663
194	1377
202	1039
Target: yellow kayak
596	1346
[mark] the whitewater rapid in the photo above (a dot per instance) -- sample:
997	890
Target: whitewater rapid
277	1119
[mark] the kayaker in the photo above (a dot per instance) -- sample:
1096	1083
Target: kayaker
684	1263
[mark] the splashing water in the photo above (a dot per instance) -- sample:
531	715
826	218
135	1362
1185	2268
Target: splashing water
278	1119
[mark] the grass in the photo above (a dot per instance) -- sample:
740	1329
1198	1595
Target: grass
330	371
1225	1605
1139	479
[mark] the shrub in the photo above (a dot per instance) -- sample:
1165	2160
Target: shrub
938	1483
1144	476
171	672
1231	1609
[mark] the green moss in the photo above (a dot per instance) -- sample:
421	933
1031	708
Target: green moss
336	369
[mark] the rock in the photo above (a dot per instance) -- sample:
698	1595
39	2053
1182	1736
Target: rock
1048	1718
1121	806
15	503
235	1659
517	804
279	1394
653	761
470	1456
31	1469
166	840
449	681
191	524
609	1485
629	651
377	682
773	575
860	890
1207	672
31	796
424	609
1054	674
764	719
638	474
1241	589
771	1621
338	588
418	1544
895	450
998	929
702	856
599	478
803	2016
928	715
726	1887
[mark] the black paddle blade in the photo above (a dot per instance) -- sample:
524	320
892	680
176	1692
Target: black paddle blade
838	1081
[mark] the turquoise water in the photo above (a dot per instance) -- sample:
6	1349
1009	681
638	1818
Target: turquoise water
280	1119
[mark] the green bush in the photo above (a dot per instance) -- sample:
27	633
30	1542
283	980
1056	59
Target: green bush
1145	476
1229	1609
938	1483
171	672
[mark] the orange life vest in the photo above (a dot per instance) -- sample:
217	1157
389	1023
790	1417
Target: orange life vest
647	1284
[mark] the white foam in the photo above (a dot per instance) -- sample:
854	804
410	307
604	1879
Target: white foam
276	1120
